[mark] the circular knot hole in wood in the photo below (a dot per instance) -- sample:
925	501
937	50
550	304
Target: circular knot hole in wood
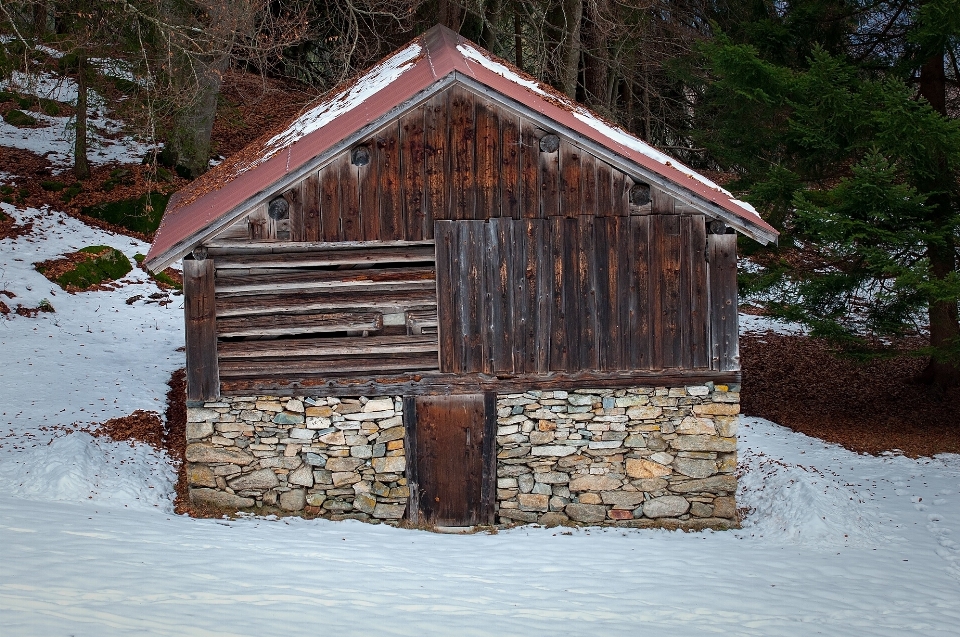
716	227
278	209
640	194
549	143
360	156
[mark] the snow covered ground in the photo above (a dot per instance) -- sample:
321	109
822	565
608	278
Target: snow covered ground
55	137
835	543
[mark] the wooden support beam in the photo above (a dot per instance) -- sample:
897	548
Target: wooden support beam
722	268
203	378
434	382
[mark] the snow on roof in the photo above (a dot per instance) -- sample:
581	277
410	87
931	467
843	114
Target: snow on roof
378	78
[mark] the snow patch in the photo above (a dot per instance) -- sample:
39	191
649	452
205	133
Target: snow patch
51	87
54	139
78	467
96	357
752	324
798	504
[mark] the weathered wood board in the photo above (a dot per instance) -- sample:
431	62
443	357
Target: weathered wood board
569	294
458	156
453	457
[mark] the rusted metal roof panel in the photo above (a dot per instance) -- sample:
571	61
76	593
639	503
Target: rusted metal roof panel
212	201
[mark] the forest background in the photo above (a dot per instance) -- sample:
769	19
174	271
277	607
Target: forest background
838	119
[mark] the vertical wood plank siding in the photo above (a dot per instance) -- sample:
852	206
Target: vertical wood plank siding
582	293
411	169
723	300
390	185
455	157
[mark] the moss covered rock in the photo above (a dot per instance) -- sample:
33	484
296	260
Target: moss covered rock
19	119
132	214
86	268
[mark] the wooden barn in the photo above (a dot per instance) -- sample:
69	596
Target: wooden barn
449	294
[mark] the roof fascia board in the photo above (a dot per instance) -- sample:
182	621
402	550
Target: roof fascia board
674	189
181	248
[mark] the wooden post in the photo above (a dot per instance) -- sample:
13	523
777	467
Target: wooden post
722	268
261	226
488	497
203	377
410	449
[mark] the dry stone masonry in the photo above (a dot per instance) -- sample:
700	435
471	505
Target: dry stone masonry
339	458
638	457
643	457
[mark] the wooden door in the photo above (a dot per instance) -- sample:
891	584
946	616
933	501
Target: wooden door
452	474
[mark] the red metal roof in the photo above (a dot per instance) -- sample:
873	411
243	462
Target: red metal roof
202	207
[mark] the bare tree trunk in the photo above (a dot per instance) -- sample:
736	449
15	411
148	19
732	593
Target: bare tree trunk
492	18
40	18
517	38
647	119
596	61
573	13
563	35
81	167
189	145
944	320
450	14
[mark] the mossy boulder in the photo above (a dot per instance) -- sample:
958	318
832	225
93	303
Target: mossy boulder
72	191
132	214
19	119
86	268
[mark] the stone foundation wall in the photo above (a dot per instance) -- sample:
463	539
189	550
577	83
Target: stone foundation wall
637	457
339	458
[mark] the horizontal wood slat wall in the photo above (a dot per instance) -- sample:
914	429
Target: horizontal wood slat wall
317	300
567	294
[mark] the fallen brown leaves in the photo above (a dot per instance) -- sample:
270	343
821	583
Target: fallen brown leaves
31	170
175	443
140	426
176	440
799	382
10	229
251	104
